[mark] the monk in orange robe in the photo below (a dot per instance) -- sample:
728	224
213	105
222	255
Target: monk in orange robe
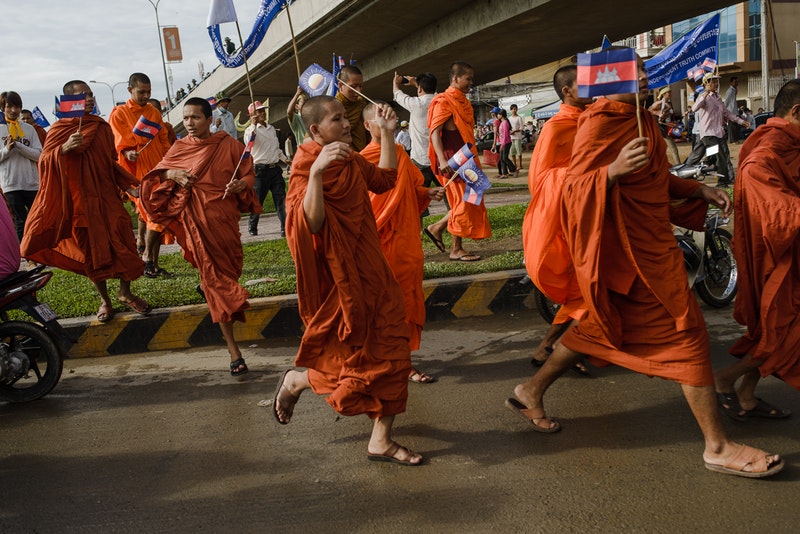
547	257
767	251
355	346
194	194
451	124
641	313
78	221
397	215
138	160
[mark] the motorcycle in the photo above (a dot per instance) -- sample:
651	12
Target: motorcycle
707	255
31	354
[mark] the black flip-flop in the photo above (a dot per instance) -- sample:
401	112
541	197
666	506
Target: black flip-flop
767	411
438	242
729	403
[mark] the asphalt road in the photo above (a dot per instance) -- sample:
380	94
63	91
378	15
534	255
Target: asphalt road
169	442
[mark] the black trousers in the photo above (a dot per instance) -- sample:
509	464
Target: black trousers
269	179
20	203
506	165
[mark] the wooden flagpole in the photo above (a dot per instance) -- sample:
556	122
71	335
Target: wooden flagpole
638	113
294	42
246	67
358	92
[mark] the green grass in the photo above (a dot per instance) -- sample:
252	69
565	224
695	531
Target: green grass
72	295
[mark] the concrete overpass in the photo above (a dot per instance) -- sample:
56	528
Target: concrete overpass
498	37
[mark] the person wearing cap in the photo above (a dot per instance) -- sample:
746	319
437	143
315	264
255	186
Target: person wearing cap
403	137
712	126
662	111
267	158
223	119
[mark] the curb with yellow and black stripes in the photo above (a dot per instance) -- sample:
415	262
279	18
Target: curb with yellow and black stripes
272	317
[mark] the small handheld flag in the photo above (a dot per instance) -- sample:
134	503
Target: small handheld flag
71	106
608	73
146	128
212	101
39	118
477	182
461	157
709	64
248	148
315	80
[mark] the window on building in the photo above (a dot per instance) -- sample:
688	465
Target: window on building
754	30
727	32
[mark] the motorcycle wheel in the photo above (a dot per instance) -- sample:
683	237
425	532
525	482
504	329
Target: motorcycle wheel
547	308
45	359
718	287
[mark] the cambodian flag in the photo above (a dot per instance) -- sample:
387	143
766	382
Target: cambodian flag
39	118
71	106
315	80
461	157
477	182
609	72
212	101
709	64
146	128
248	147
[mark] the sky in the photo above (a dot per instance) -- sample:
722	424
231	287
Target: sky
49	42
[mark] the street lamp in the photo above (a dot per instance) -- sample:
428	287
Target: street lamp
161	44
110	86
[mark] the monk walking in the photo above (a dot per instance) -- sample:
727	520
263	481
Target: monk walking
641	313
397	215
547	257
138	154
194	193
355	347
767	251
78	222
451	123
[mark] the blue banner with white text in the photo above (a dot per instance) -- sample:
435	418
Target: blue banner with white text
671	64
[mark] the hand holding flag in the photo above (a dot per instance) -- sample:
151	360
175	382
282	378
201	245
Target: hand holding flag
146	128
461	157
315	80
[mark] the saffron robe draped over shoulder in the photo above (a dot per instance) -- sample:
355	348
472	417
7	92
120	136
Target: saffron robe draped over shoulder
767	249
641	313
78	221
397	213
122	120
206	224
355	345
466	220
547	256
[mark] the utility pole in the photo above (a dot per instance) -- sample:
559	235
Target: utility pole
764	56
160	44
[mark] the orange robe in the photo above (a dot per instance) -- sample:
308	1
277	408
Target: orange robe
641	313
767	249
78	221
547	257
466	220
397	213
355	345
205	224
122	120
41	132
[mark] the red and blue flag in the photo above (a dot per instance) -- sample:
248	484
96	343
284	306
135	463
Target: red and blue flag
248	147
71	106
477	182
608	72
212	101
709	64
146	128
461	157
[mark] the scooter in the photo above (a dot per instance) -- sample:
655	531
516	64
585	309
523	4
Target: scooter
31	354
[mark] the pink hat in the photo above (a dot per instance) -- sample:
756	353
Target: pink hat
255	106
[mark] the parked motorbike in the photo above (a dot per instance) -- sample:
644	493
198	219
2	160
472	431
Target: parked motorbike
707	255
31	354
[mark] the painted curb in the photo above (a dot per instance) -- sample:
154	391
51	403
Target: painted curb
191	326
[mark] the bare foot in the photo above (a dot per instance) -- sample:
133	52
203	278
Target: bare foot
286	396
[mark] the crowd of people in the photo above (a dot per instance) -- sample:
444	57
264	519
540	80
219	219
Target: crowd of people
352	218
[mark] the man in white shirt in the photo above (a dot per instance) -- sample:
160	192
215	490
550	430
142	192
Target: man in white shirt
267	157
515	153
222	118
403	137
734	129
417	106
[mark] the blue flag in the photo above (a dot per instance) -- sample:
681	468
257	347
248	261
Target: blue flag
39	118
671	64
267	12
315	80
2	118
477	182
606	43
